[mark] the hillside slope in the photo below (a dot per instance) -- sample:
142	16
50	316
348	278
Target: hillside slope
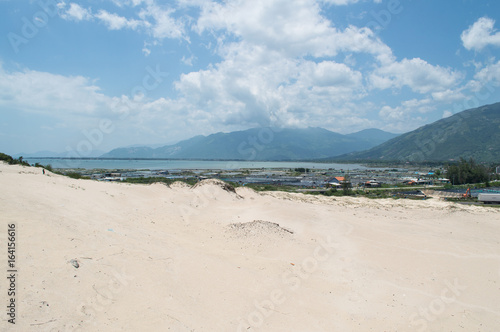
474	133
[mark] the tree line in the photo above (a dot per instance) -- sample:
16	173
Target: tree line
468	171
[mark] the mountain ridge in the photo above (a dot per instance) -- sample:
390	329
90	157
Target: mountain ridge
472	133
266	143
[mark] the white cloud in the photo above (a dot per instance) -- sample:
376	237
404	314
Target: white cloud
277	59
294	28
392	113
330	74
448	96
190	3
490	73
481	34
157	21
264	73
146	51
116	22
253	85
419	105
163	24
486	80
405	117
447	114
78	103
132	3
407	108
188	61
76	12
417	74
53	95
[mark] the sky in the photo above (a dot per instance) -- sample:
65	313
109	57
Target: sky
79	77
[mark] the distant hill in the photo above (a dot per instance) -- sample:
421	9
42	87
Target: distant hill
474	133
261	144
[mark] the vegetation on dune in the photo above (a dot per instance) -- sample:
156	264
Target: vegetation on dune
12	161
19	161
151	180
47	167
74	175
393	193
269	187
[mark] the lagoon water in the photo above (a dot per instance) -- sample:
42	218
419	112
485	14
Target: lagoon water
157	164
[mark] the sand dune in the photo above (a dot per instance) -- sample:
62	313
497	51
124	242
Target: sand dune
95	256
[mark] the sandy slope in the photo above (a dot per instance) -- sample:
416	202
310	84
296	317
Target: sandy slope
158	258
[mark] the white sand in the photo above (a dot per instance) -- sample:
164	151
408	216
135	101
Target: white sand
159	258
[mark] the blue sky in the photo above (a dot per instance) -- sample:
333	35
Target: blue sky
87	76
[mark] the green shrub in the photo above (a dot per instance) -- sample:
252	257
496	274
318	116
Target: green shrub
6	158
12	161
73	175
151	180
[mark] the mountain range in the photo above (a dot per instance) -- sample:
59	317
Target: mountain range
272	144
473	133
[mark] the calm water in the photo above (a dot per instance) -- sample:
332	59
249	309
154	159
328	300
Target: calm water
181	164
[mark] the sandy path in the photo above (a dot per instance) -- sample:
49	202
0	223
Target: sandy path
158	258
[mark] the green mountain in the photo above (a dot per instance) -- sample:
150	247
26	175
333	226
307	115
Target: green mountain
474	133
261	144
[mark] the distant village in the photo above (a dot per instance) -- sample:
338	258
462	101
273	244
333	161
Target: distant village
411	182
299	177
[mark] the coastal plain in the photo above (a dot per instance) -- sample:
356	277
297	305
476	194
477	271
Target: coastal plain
100	256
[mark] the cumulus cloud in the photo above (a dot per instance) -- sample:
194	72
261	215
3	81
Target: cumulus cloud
161	22
75	12
264	73
330	74
417	74
407	116
481	34
132	3
448	96
156	20
294	28
78	103
280	59
252	86
53	95
116	22
392	113
490	73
